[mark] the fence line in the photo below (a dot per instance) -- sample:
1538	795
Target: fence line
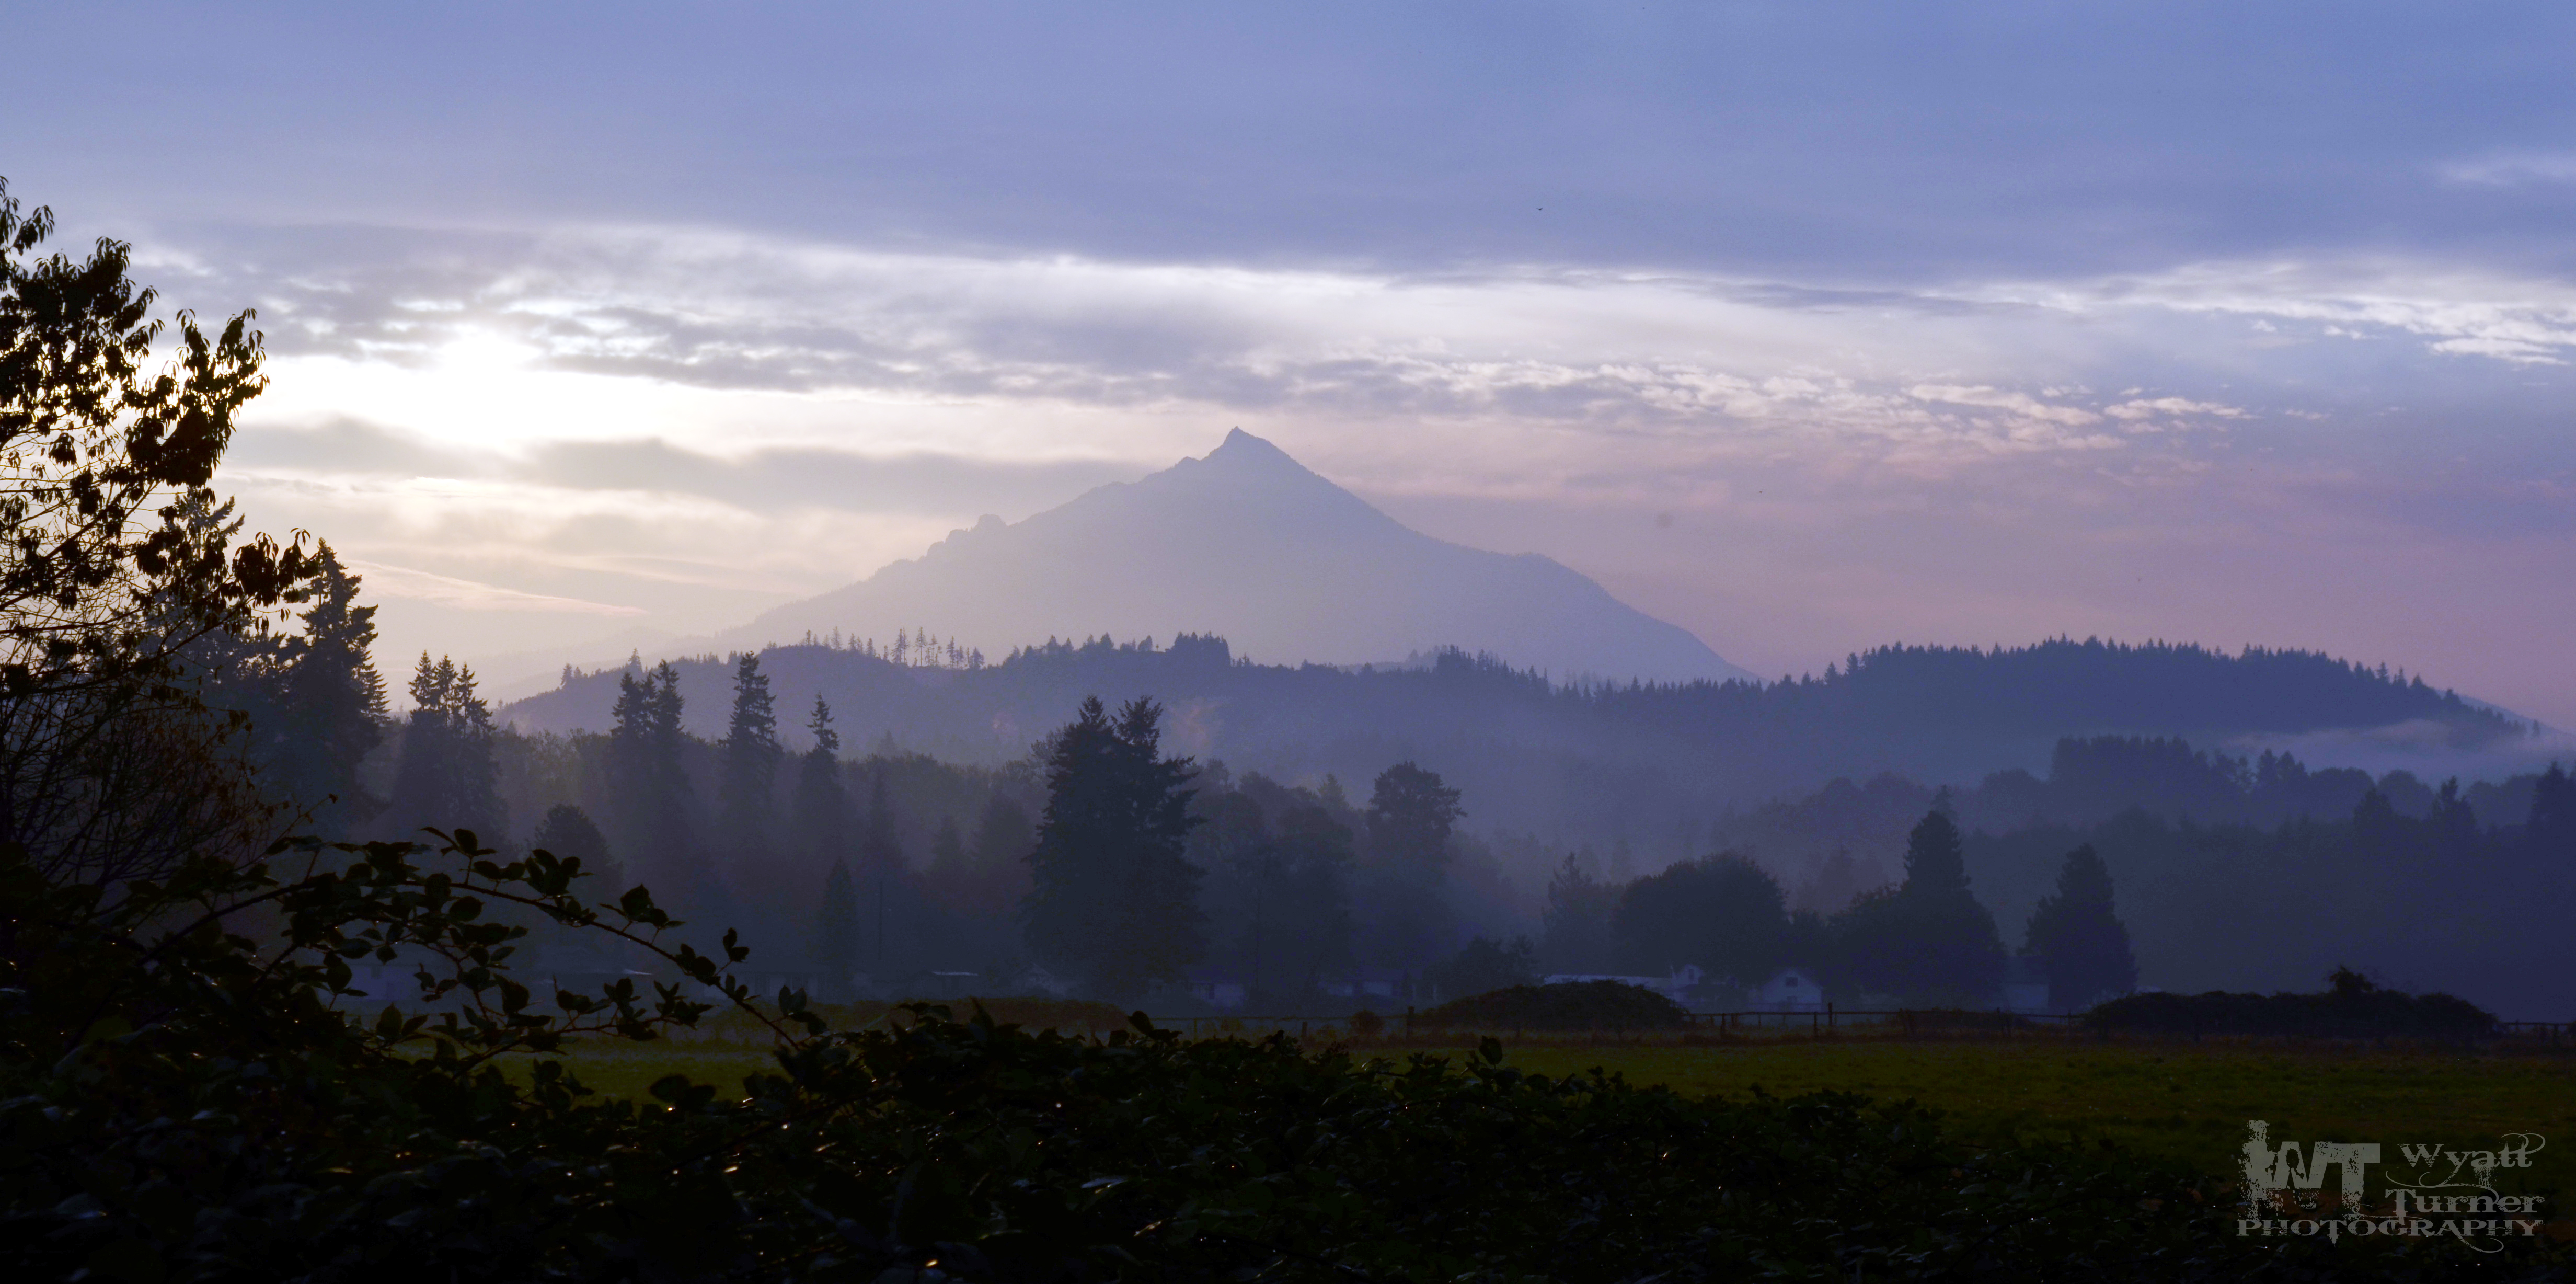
1827	1020
1821	1021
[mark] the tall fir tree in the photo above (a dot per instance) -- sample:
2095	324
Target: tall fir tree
330	705
2550	830
448	776
837	931
1928	940
1112	899
949	865
2077	938
1575	925
569	833
886	879
751	756
819	813
1411	815
997	860
880	834
649	786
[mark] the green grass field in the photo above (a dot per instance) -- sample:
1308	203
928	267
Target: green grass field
2184	1103
2181	1102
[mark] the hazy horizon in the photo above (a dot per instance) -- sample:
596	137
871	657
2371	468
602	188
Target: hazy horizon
1804	330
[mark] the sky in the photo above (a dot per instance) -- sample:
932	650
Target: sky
1806	327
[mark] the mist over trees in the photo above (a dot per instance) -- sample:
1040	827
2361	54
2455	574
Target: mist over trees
1510	825
1584	763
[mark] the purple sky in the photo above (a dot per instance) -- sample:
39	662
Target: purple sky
1805	327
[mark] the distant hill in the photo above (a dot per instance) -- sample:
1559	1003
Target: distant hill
1249	544
1656	762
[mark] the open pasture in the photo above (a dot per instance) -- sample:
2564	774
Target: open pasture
2183	1102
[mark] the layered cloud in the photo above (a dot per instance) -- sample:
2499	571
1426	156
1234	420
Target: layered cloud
1992	365
681	427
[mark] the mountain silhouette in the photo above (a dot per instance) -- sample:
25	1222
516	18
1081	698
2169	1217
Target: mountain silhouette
1250	544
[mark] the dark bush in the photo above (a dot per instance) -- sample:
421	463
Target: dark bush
2353	1009
1570	1005
1367	1024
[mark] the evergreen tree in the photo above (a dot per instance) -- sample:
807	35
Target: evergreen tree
330	704
885	877
447	777
997	859
568	832
2077	938
2550	832
1278	899
948	846
1112	900
1936	864
650	785
751	756
1411	816
880	841
819	814
837	933
1928	939
1575	926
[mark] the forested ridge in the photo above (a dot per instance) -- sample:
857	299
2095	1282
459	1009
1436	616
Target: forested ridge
1574	760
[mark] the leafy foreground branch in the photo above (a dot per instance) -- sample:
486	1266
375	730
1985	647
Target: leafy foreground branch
184	1101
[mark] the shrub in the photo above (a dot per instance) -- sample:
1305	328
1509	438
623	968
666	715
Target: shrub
2353	1008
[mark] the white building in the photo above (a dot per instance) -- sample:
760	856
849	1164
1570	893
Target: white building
1791	989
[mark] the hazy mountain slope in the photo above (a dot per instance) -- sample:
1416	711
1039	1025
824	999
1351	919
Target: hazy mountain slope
1249	544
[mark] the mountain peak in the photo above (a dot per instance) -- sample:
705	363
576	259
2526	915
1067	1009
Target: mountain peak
1243	452
1249	544
1239	442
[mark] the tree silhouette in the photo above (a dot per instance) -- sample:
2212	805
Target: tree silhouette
1411	815
751	756
447	776
819	815
328	713
650	784
2077	938
1928	939
837	932
1575	926
1112	900
2550	831
1723	913
568	832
